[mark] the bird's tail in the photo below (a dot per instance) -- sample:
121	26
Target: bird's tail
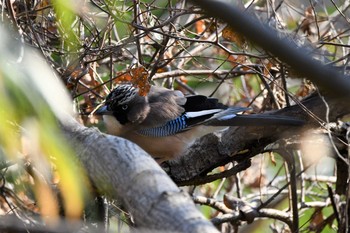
255	120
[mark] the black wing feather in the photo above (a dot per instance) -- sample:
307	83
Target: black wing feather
197	103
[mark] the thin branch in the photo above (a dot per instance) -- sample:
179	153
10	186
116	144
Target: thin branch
284	49
176	73
212	203
262	213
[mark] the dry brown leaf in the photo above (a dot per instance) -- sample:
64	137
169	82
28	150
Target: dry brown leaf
200	26
267	68
138	77
309	19
230	35
237	59
316	219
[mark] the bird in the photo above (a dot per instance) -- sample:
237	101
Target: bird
165	122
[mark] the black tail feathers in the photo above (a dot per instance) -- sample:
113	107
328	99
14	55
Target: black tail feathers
257	120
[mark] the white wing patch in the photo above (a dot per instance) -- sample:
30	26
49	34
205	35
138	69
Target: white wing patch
202	113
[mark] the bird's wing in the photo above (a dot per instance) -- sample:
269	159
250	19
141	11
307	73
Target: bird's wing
196	103
165	105
172	112
191	119
180	124
225	115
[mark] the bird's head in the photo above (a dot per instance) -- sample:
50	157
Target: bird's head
125	106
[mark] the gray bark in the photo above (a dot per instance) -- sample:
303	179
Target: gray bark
120	169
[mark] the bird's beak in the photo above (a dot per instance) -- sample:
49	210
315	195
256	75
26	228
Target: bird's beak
103	111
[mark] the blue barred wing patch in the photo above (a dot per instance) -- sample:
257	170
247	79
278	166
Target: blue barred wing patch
170	128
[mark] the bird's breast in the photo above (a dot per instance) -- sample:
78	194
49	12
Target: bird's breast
113	126
162	148
170	147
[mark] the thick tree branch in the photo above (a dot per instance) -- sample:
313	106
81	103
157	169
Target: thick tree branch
122	170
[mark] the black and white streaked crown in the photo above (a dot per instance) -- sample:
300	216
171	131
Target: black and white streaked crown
121	95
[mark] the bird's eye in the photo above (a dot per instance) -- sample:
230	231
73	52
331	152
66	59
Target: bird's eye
125	106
